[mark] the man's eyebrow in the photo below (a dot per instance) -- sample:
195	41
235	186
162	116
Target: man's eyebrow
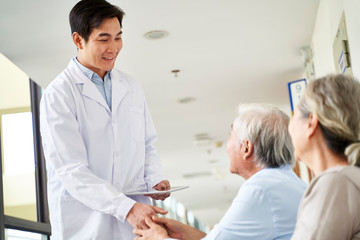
104	35
108	35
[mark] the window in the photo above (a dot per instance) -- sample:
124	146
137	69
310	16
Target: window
13	234
23	203
18	165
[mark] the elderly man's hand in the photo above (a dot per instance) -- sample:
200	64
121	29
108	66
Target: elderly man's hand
154	232
161	186
138	213
161	228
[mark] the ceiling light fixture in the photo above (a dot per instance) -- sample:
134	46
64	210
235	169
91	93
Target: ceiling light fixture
218	144
202	139
197	174
156	34
175	72
213	161
186	100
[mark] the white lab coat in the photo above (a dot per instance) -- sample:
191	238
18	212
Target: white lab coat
94	154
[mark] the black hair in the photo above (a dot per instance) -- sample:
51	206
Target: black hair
89	14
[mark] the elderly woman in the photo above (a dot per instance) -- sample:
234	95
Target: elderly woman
325	132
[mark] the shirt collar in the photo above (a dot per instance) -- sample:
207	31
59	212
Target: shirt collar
89	73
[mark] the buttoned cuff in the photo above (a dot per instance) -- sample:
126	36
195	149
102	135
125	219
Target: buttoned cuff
151	182
122	206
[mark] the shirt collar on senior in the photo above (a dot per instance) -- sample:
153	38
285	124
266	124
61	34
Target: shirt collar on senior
89	73
286	167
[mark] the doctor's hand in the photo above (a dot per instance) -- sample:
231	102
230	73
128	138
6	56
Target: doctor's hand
138	213
161	186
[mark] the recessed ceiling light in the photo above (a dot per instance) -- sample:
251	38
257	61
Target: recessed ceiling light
157	34
202	139
186	100
201	135
213	161
197	174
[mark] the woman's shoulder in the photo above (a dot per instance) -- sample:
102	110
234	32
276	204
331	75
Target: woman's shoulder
342	173
337	177
351	174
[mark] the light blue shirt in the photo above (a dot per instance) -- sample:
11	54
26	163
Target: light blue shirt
104	87
265	207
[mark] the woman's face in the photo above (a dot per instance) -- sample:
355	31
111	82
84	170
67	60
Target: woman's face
297	130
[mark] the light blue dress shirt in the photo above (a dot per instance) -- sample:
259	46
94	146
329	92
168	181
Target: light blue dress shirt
104	87
265	207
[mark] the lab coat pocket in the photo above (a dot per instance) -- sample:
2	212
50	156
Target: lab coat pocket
74	216
137	123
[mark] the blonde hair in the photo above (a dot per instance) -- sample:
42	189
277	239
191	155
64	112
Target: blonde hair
335	100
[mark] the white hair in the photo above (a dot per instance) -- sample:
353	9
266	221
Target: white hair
265	126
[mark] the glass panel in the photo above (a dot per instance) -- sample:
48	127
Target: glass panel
17	147
180	212
18	131
177	211
12	234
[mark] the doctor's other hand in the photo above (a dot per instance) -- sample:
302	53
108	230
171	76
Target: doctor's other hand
161	186
138	213
154	232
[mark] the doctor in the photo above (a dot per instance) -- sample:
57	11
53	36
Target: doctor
98	136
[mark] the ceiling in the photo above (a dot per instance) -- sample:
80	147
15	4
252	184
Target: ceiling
228	52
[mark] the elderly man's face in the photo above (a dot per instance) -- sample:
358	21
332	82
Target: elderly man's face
234	151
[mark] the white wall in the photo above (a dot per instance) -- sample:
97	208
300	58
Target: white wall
15	89
327	22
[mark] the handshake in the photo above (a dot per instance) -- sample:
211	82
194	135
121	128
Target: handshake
165	228
147	225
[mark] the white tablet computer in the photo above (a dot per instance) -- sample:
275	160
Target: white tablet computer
153	191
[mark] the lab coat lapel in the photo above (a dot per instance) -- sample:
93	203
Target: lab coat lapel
119	89
89	89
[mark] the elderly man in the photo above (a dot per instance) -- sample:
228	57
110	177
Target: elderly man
266	205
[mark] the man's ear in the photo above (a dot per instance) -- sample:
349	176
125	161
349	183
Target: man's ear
248	149
312	124
78	40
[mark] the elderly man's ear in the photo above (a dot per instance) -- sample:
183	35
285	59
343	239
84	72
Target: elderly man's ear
247	149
